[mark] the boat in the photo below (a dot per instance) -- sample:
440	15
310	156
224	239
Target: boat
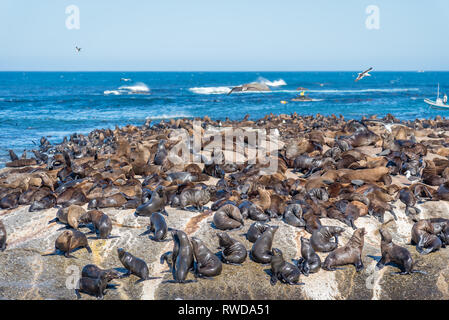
302	97
438	103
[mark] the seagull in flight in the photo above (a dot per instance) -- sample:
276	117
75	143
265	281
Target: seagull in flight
77	49
364	74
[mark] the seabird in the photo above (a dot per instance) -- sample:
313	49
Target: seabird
387	126
77	49
364	74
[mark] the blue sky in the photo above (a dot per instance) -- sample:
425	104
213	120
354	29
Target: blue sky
230	35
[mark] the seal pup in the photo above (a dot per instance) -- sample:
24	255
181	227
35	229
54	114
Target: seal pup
293	215
182	260
228	217
92	286
408	198
207	263
351	253
3	236
320	239
134	265
282	270
194	197
391	252
310	262
255	231
261	249
71	215
233	251
70	240
158	226
252	211
156	203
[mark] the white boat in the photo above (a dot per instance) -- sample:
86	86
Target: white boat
438	103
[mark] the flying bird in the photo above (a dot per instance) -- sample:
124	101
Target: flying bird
77	49
364	74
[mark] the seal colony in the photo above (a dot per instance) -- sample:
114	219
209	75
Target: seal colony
332	176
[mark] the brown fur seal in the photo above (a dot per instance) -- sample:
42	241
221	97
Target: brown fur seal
133	264
70	240
310	261
228	217
255	231
282	270
115	201
207	263
394	253
71	216
408	198
156	203
158	226
194	197
351	253
100	221
233	251
92	271
320	239
181	257
2	236
261	250
252	211
424	235
92	286
293	215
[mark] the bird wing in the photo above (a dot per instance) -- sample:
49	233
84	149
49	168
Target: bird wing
368	70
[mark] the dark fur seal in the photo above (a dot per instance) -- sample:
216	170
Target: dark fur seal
158	226
261	250
320	239
255	231
293	215
92	286
2	236
394	253
282	270
156	203
70	240
233	251
100	221
92	271
133	264
207	263
252	211
181	257
351	253
408	198
310	261
228	217
424	235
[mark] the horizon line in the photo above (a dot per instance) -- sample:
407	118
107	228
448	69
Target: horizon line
414	70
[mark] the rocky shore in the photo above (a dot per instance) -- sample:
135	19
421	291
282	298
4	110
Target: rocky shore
341	172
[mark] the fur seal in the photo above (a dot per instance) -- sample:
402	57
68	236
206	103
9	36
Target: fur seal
293	215
261	250
156	203
158	226
100	221
92	286
424	235
255	231
391	252
72	216
93	271
181	256
228	217
282	270
310	261
2	236
70	240
233	251
133	264
194	197
320	239
207	263
351	253
252	211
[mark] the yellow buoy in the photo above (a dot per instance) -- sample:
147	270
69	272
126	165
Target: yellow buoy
284	102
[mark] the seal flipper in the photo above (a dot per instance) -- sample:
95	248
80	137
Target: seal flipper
273	279
77	292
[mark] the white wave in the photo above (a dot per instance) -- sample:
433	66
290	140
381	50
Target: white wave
365	90
210	90
169	116
276	83
112	92
136	88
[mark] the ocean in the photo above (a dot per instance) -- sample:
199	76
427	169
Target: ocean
57	104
